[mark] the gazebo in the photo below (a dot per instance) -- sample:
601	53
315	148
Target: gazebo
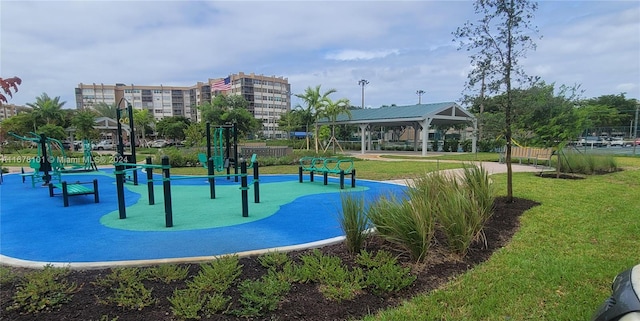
421	117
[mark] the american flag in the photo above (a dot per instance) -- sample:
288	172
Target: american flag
222	85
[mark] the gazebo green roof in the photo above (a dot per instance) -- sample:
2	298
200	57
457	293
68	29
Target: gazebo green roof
439	113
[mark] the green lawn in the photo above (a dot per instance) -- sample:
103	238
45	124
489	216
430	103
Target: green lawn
559	265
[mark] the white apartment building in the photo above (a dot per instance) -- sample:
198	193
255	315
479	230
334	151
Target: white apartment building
268	97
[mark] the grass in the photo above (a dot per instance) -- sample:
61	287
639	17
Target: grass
558	266
464	157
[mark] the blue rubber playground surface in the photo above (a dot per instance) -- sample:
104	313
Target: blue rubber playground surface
37	228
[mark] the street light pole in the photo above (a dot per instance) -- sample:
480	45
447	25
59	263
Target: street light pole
363	82
419	93
635	128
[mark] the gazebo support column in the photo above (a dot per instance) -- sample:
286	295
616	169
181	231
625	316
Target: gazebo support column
416	129
425	135
474	137
363	133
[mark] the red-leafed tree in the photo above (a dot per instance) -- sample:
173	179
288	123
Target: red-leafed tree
7	85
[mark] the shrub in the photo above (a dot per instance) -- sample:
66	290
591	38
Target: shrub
274	260
167	273
187	303
7	275
178	157
127	289
383	274
316	266
389	278
344	285
259	296
43	290
370	261
217	276
353	221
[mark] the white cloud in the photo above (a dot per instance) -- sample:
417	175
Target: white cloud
350	54
399	46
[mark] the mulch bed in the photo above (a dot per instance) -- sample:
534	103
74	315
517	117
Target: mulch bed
304	301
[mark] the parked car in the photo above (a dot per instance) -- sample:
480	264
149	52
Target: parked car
176	143
66	145
103	145
128	143
615	141
624	302
591	141
159	143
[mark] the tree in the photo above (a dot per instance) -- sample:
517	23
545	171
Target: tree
497	41
106	110
173	127
52	131
8	85
142	120
625	108
246	124
315	102
553	118
47	110
194	135
331	111
210	113
84	122
288	121
228	109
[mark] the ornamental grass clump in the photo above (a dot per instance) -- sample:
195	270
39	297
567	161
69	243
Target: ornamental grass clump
459	206
464	207
587	164
353	221
407	222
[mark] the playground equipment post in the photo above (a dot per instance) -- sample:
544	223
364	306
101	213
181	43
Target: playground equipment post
166	183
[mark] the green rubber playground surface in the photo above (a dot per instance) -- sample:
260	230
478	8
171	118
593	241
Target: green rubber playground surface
196	210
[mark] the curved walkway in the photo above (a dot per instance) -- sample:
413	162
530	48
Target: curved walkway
490	167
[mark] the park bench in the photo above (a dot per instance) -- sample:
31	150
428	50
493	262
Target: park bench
75	189
326	166
528	154
541	154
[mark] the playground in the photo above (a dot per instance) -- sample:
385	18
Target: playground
36	228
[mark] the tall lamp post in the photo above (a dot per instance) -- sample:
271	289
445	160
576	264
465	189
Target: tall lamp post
635	128
420	93
363	82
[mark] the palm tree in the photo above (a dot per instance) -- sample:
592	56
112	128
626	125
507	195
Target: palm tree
331	111
142	119
105	110
84	122
315	105
48	110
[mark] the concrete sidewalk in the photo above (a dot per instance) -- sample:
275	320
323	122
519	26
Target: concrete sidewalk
490	167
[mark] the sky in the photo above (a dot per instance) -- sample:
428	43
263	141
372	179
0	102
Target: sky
399	47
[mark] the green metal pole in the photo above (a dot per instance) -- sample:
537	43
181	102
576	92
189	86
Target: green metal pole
166	183
150	181
122	210
244	188
256	183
